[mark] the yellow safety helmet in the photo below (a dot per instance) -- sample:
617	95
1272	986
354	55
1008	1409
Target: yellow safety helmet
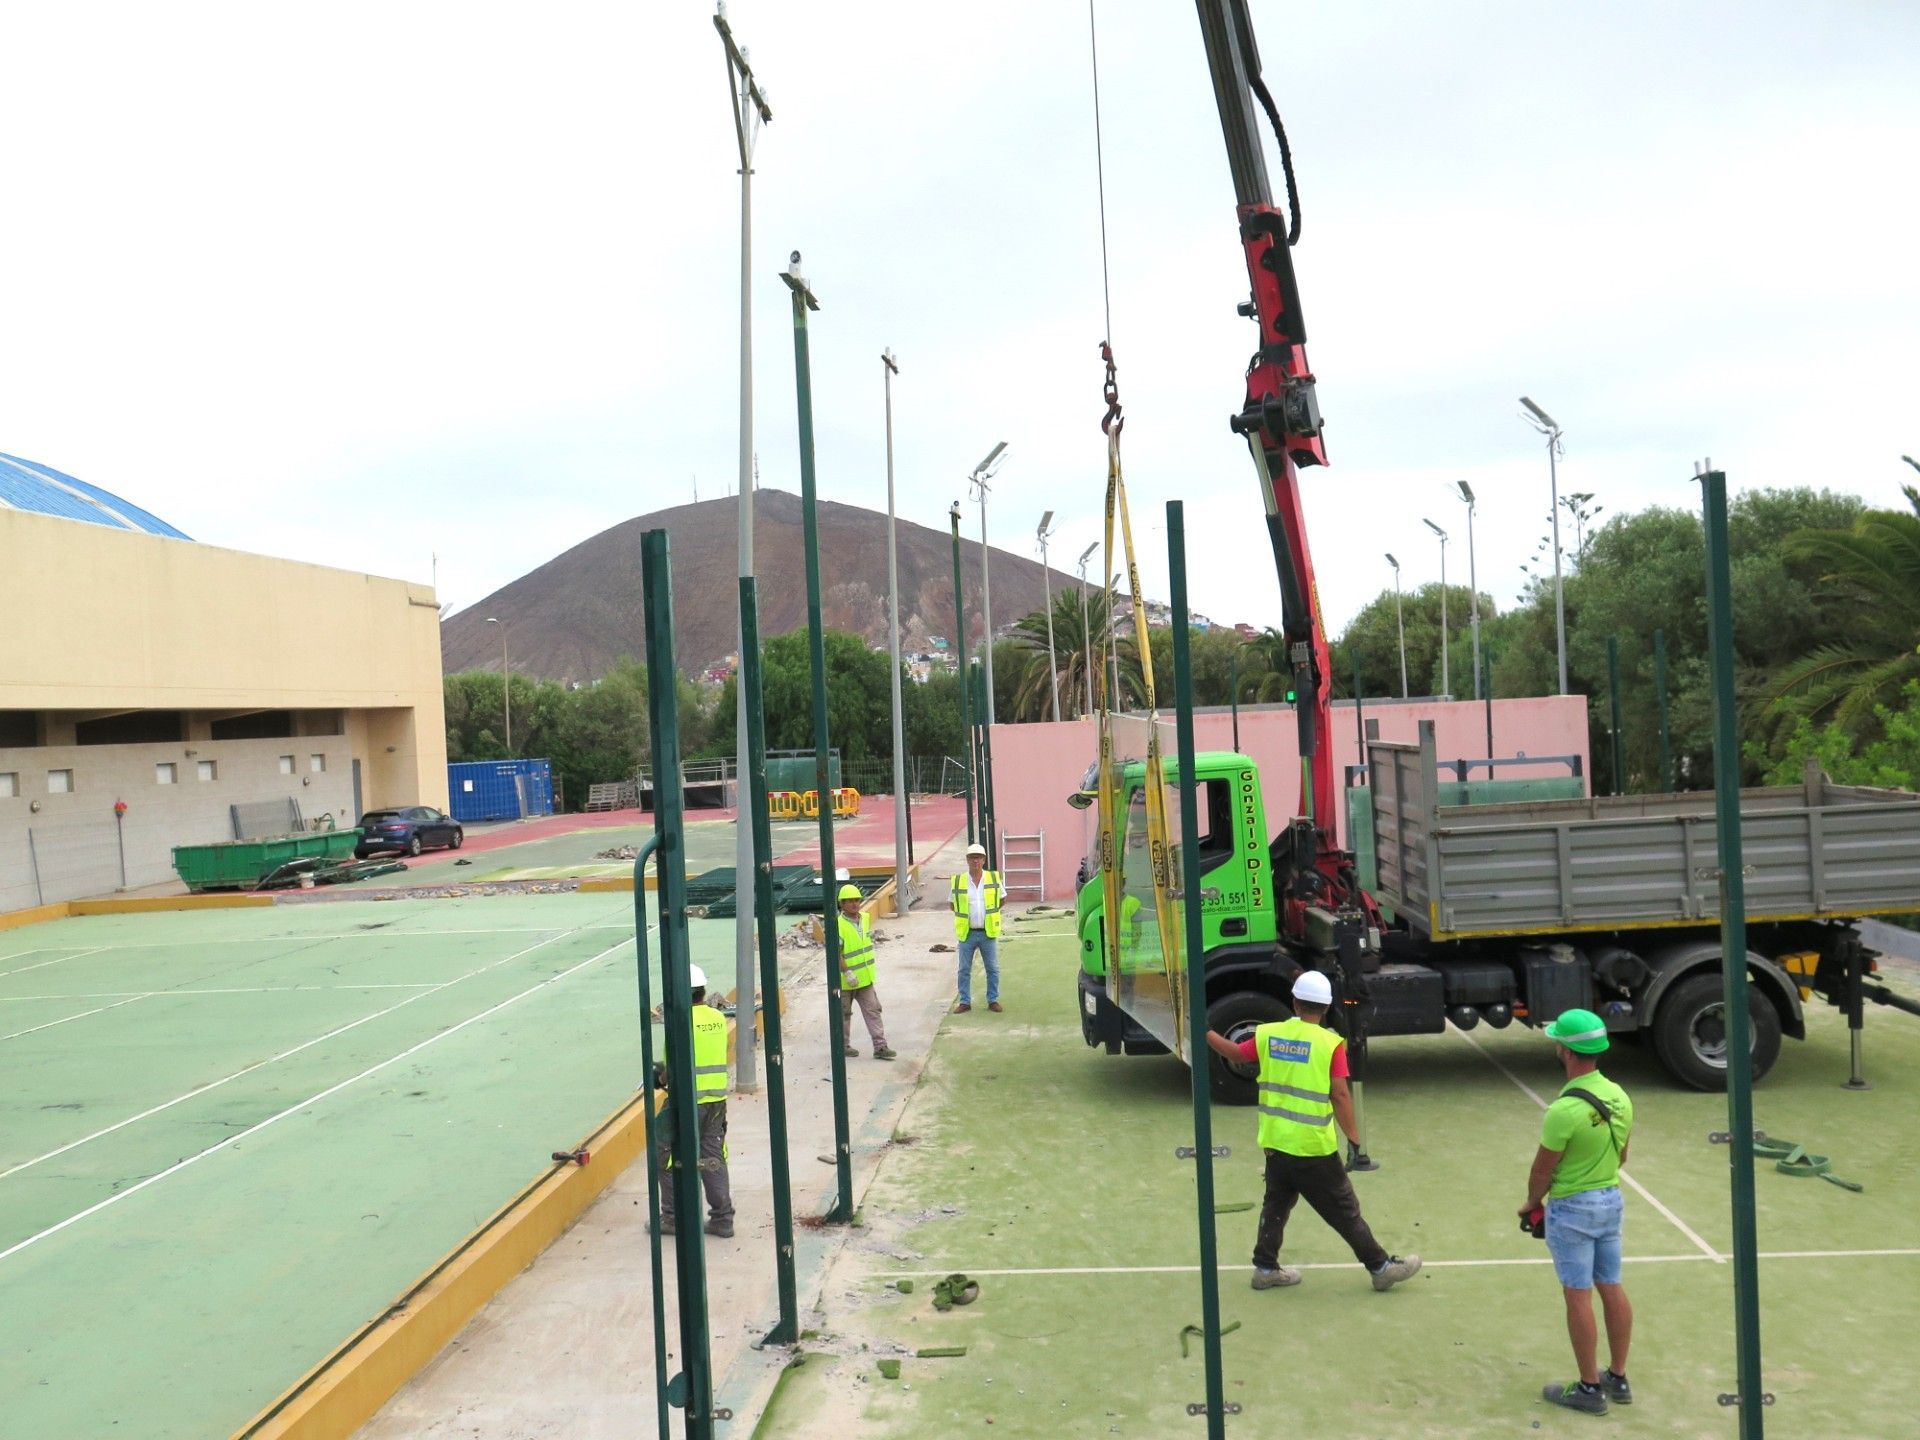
848	892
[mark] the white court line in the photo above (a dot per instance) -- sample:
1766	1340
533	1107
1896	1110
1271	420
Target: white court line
1427	1265
1638	1189
261	1064
320	937
231	990
57	960
98	1009
215	1149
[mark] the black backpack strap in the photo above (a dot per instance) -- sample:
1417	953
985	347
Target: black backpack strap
1601	1109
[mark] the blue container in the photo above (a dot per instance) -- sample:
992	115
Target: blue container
482	790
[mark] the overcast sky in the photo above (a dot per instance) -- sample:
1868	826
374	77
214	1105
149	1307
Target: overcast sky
363	282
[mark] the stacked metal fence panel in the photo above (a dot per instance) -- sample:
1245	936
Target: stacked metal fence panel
72	862
260	819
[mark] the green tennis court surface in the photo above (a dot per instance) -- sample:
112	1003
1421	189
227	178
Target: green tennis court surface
1047	1171
229	1138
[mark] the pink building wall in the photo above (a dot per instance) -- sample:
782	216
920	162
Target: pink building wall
1036	767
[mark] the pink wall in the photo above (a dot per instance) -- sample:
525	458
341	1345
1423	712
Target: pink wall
1035	767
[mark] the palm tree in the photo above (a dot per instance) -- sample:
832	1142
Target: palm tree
1873	573
1072	652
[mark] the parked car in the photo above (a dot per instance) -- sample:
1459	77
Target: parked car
411	830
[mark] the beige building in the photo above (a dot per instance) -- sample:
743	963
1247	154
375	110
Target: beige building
210	692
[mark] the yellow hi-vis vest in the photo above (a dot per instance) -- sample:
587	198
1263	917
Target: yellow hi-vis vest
709	1055
1296	1087
989	894
856	952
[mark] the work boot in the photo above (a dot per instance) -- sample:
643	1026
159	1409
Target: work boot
994	1006
1275	1278
883	1053
1395	1270
666	1225
721	1228
962	1008
1577	1397
1618	1391
852	1051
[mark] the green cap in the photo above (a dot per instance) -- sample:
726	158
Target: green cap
1581	1031
849	892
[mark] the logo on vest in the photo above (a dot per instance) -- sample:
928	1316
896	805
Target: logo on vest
1296	1052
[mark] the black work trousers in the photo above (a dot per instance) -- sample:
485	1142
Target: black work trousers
1322	1180
713	1161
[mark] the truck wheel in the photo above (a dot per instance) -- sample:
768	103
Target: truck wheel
1690	1032
1235	1016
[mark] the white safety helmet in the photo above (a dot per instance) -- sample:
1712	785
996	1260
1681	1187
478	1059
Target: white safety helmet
697	978
1313	987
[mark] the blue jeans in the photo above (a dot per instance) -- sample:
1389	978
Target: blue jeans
989	951
1583	1236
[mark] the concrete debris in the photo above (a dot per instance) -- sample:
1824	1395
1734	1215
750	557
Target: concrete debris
619	852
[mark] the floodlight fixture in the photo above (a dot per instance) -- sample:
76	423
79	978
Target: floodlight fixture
1540	417
1046	522
1393	562
1466	491
1434	528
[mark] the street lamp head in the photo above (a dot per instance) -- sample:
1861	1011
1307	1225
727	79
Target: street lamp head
1393	562
1087	554
1544	422
1043	531
492	621
1466	491
985	467
1435	529
886	359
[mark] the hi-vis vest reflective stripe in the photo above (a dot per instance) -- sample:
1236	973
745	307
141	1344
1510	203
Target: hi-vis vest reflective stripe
709	1054
1296	1087
989	894
856	953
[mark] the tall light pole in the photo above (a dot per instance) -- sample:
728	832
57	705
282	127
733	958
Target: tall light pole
1446	679
1400	619
1550	428
506	683
1086	623
1473	583
901	897
750	112
959	652
981	473
1046	582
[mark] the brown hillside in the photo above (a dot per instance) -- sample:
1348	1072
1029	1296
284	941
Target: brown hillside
579	613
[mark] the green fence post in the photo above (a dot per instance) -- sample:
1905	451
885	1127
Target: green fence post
958	650
989	812
1613	694
1233	695
1196	987
653	1155
803	301
1660	699
693	1387
787	1331
1733	959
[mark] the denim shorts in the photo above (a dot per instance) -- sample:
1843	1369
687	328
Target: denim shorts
1583	1236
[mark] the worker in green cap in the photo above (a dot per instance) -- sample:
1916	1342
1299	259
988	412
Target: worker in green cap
856	973
1576	1175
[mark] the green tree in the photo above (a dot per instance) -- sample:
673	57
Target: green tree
859	698
1373	637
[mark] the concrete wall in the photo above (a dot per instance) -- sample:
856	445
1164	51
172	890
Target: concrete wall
1035	767
99	622
74	850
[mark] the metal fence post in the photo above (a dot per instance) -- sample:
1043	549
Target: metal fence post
1198	1065
803	300
787	1331
693	1387
1660	700
653	1155
33	854
1613	694
958	650
1733	960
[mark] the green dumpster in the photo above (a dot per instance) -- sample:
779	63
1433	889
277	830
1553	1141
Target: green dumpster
242	864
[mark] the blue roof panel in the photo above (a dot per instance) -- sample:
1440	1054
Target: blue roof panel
27	485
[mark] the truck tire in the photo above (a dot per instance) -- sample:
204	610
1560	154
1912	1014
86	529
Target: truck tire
1690	1035
1235	1015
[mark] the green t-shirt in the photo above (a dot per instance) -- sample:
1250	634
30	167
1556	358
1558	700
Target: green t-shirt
1589	1160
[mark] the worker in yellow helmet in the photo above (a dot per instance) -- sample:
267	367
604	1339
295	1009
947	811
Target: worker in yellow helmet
856	973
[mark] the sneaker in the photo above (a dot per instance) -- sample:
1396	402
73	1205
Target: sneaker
1574	1397
1618	1391
1275	1278
962	1008
666	1225
1395	1270
883	1054
852	1051
994	1006
721	1228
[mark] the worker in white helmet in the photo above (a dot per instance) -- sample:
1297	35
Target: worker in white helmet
1303	1091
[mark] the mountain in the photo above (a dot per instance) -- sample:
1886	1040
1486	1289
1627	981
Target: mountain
578	614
